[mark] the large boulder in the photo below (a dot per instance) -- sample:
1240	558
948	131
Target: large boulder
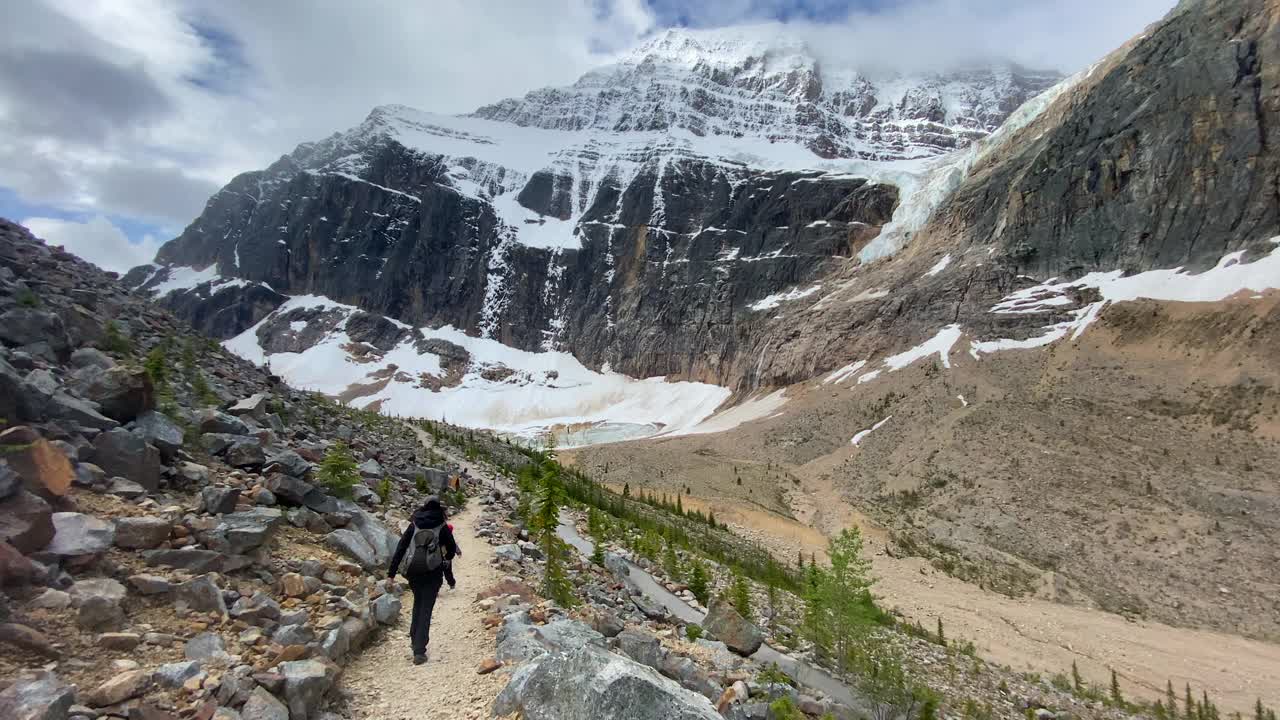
354	546
128	455
219	500
192	559
212	421
30	326
245	452
386	609
289	489
41	696
123	393
77	535
290	463
589	683
642	646
26	522
99	603
160	430
118	688
240	532
44	468
726	625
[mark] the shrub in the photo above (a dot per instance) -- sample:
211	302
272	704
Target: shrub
27	298
784	709
338	473
114	341
693	632
384	490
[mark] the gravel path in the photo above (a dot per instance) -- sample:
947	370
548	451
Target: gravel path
386	685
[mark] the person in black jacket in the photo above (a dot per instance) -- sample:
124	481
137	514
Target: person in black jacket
426	584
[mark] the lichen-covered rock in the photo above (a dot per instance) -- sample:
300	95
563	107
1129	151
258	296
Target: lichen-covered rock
38	696
589	683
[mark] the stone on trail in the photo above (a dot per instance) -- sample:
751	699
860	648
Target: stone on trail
589	683
219	500
39	696
726	625
205	646
212	421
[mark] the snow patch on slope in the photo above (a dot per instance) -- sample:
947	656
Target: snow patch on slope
547	388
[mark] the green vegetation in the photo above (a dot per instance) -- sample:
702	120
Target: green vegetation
740	595
27	298
784	709
384	491
693	632
544	484
338	473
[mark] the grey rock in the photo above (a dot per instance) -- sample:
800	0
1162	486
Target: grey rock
725	624
37	696
336	643
99	614
160	430
353	545
173	675
262	705
560	635
193	559
226	713
201	594
128	455
256	609
26	522
518	639
141	533
289	489
607	623
106	588
264	497
245	452
371	469
213	421
150	584
122	393
386	609
78	535
293	634
86	357
305	683
194	473
240	532
254	406
28	326
127	489
642	646
10	481
52	599
690	676
220	500
508	552
288	462
589	683
206	646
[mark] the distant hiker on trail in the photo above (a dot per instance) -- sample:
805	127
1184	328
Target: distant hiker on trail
427	548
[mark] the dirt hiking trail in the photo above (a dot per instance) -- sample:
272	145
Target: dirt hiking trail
386	685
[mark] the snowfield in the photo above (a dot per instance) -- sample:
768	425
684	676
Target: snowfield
547	388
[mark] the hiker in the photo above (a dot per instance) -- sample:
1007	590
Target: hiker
426	546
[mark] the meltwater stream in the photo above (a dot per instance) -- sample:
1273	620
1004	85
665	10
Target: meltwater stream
804	673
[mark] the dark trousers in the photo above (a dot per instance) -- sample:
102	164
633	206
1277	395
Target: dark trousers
425	589
448	573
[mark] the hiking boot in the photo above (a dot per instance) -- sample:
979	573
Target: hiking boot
419	658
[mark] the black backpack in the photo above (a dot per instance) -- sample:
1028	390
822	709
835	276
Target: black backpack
425	553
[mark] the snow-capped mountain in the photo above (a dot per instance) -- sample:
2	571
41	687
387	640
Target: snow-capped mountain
759	82
708	208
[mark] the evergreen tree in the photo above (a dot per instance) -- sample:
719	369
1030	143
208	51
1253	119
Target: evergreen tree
942	638
597	554
1190	708
1171	700
698	579
626	490
1116	697
671	562
338	473
679	506
544	520
1259	712
740	595
1078	683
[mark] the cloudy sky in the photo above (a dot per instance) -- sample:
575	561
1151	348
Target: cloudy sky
118	118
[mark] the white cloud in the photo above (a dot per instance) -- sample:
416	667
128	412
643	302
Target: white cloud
96	240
